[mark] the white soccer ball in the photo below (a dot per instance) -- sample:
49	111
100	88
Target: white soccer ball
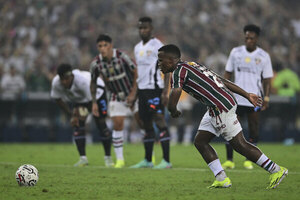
27	175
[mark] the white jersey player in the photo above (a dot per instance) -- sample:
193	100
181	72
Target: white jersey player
152	93
73	86
252	71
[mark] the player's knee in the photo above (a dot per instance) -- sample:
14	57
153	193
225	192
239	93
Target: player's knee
164	135
80	130
149	135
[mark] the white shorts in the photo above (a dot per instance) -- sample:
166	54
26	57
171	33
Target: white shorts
120	108
226	124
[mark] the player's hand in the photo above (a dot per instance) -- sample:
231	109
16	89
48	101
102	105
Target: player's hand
130	100
75	122
164	98
175	114
255	100
95	110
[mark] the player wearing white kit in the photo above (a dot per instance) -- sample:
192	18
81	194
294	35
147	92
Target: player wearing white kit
252	71
119	74
152	94
73	86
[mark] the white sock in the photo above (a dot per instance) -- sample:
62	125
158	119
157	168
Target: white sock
216	167
267	164
83	158
117	139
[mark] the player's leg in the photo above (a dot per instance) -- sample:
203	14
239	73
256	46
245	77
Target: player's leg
80	113
104	132
254	154
164	138
253	124
117	139
229	163
208	153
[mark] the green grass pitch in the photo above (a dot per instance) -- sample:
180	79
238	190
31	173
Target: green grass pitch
188	179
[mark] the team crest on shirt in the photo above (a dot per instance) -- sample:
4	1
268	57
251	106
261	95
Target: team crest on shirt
257	60
148	52
247	59
141	53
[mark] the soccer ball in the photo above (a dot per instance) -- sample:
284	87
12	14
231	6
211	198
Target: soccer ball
27	175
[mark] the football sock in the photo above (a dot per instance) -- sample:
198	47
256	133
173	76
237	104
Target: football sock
229	151
117	139
267	164
216	167
148	144
165	144
80	143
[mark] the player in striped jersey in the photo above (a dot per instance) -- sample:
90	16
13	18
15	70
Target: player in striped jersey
220	119
73	86
252	69
119	74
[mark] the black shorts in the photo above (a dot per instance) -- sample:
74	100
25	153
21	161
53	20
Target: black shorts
244	110
150	103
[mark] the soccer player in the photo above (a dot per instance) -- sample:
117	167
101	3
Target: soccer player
119	74
252	71
152	95
220	118
73	86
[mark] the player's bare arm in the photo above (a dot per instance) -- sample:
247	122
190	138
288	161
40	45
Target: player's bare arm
173	101
267	86
93	87
253	98
64	107
164	95
133	93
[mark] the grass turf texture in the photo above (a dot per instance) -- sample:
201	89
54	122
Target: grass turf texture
188	179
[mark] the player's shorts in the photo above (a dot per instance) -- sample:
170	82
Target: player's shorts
225	124
102	106
120	108
82	110
150	103
243	110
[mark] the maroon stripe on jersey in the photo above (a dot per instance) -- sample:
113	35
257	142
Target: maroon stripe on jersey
182	75
212	83
208	96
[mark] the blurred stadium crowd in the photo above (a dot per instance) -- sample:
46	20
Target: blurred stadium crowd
37	35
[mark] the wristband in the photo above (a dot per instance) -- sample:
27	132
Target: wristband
266	99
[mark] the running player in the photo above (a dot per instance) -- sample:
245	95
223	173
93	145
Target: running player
119	74
73	86
152	94
220	118
252	69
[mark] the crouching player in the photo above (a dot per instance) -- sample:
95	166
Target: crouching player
73	86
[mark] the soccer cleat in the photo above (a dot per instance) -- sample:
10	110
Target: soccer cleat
163	165
228	165
81	163
120	164
108	161
221	184
277	177
248	164
143	164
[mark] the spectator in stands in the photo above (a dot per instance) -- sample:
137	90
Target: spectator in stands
12	84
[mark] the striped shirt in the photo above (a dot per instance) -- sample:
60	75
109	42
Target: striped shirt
204	85
117	74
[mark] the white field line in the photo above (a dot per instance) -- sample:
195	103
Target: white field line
175	168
